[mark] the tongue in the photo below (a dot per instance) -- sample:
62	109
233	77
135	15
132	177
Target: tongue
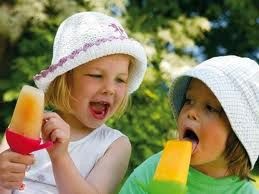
98	108
194	143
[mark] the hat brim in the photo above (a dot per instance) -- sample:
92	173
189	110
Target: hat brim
93	51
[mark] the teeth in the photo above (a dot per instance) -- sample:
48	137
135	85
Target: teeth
101	103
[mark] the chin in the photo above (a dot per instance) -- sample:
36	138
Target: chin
196	161
94	125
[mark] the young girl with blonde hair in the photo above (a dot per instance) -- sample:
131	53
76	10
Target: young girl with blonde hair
95	66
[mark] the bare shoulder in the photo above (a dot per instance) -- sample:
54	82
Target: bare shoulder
114	162
121	144
119	150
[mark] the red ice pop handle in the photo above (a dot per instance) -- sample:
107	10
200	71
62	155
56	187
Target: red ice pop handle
25	145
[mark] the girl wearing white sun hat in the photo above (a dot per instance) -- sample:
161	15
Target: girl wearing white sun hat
86	36
216	105
95	66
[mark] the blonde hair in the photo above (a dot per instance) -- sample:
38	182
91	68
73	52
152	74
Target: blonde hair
126	102
237	157
58	94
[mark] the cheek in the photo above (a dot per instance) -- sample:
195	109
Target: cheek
74	91
75	104
118	99
215	137
180	119
83	90
82	85
121	91
183	113
79	98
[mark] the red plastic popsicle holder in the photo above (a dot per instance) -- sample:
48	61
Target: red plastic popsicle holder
25	145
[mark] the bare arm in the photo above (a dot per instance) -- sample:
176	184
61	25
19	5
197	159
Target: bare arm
103	179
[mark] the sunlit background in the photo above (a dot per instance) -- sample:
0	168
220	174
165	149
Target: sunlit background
176	36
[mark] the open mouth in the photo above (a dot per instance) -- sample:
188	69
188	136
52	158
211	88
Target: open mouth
99	109
190	135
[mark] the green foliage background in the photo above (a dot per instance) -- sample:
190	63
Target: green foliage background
176	35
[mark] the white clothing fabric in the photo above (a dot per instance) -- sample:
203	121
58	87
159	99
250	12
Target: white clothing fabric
84	152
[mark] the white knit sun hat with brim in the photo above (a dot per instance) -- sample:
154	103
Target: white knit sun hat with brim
86	36
235	83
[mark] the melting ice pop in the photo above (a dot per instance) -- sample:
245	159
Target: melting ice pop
28	112
172	170
23	133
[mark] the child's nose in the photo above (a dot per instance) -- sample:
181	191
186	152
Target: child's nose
108	88
192	113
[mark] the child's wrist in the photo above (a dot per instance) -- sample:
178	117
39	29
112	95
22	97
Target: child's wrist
59	158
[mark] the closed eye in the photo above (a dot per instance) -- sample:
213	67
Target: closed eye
94	75
120	80
210	108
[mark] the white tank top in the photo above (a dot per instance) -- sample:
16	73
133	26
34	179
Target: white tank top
84	152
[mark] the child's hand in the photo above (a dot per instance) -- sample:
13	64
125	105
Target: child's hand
56	130
12	168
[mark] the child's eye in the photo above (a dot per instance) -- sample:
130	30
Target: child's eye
212	109
94	75
187	101
120	80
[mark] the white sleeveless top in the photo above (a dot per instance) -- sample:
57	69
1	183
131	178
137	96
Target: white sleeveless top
84	152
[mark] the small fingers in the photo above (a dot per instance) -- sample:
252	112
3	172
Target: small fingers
13	168
49	126
55	128
16	168
48	115
11	180
22	159
12	184
58	136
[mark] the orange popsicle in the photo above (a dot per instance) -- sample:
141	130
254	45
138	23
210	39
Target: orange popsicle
174	162
28	112
172	170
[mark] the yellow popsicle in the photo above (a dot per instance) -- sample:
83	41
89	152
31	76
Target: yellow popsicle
28	112
174	162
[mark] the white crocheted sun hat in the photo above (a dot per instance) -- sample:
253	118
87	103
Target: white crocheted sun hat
235	83
86	36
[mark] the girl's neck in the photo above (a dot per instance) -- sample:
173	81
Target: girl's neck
77	129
